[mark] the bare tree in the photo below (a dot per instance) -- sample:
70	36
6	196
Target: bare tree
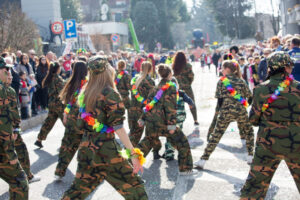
274	20
17	32
101	42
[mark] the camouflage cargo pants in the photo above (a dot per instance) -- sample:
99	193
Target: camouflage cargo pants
223	121
178	140
23	156
273	144
96	164
126	101
190	93
69	145
136	131
15	176
53	115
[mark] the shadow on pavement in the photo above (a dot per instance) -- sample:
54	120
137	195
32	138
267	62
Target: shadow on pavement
44	161
237	152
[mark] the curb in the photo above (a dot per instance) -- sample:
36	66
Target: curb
33	121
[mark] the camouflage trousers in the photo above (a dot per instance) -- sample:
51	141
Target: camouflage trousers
53	115
190	93
223	121
273	144
99	163
69	145
178	140
126	101
23	156
136	131
15	176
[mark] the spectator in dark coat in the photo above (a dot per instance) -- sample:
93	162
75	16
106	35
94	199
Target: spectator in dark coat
263	66
41	73
215	58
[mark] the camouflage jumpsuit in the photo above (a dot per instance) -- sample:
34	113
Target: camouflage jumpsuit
14	174
231	110
20	146
124	88
70	142
136	110
56	108
98	156
278	136
159	121
185	80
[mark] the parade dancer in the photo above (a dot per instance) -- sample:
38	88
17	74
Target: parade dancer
72	137
276	112
102	113
20	146
233	96
142	85
122	82
160	118
10	168
185	76
56	109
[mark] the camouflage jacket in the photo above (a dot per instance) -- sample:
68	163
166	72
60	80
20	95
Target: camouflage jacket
228	101
14	111
109	110
164	112
124	85
54	89
284	109
145	87
186	77
7	151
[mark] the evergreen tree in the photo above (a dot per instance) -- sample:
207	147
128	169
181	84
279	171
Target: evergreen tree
70	9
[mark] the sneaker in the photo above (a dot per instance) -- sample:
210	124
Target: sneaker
156	155
34	179
200	164
38	144
58	178
188	173
249	159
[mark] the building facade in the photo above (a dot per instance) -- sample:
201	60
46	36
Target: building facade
290	16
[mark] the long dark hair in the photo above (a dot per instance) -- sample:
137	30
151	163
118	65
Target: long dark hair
79	74
44	67
21	58
54	67
179	62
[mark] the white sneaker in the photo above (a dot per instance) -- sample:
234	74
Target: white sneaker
249	159
58	178
200	164
34	179
188	173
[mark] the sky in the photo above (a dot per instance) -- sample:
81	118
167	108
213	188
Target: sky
262	6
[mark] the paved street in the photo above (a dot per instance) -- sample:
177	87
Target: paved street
223	177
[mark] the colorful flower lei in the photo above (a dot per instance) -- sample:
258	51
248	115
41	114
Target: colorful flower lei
233	92
91	121
279	89
135	92
119	76
69	105
159	94
135	153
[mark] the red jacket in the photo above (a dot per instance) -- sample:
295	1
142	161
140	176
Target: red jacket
138	64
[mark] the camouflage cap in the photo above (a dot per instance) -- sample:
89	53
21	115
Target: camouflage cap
279	59
3	64
97	64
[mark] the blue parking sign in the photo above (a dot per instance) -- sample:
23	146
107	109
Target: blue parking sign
70	29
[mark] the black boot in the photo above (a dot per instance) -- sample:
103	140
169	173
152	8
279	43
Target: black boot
38	144
156	155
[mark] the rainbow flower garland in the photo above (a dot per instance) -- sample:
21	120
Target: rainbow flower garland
119	77
279	89
91	121
135	92
137	153
159	94
233	92
69	105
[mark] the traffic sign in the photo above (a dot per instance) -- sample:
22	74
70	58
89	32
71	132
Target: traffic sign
57	28
115	38
70	29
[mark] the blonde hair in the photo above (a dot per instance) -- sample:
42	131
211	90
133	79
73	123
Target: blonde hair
233	66
146	69
95	86
121	65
